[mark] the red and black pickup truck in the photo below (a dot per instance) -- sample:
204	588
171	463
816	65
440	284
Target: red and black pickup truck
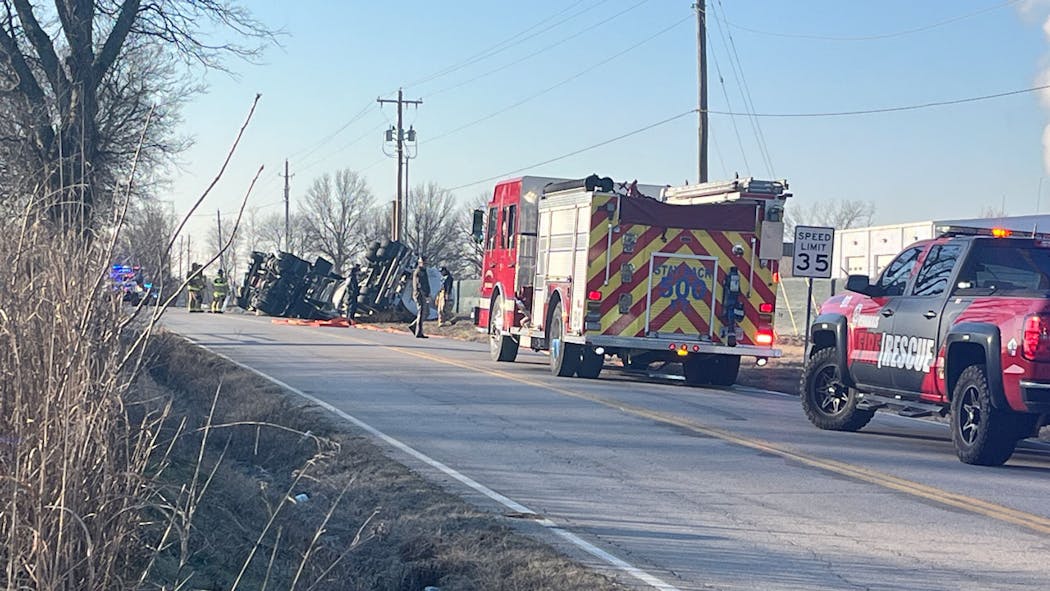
957	326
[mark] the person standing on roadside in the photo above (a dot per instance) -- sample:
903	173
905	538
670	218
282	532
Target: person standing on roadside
421	295
444	299
353	289
195	284
220	288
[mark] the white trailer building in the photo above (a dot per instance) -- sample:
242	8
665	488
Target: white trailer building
865	251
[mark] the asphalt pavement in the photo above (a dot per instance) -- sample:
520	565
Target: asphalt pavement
667	486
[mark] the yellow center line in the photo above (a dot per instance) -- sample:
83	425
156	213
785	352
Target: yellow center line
1030	521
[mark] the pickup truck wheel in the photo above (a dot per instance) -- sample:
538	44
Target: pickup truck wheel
501	347
981	434
829	403
565	357
591	364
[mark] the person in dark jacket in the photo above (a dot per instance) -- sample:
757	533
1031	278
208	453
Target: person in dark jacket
353	289
421	295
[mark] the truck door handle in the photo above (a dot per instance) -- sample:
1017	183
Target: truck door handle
886	312
930	314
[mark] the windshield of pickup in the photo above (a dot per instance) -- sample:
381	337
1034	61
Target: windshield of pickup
1009	267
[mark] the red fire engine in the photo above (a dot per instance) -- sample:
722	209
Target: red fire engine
587	269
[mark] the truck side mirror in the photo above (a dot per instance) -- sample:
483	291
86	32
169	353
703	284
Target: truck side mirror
477	230
861	284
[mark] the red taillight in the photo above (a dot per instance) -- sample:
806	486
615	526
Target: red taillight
765	308
594	295
696	348
1036	342
672	346
776	276
764	337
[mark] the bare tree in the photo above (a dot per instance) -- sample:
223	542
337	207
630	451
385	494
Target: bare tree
991	212
334	210
229	261
143	240
74	84
469	266
839	214
268	234
433	225
377	223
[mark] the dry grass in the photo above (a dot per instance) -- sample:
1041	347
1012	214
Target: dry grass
185	476
409	533
75	457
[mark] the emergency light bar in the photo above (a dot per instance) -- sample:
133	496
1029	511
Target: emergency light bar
748	185
995	232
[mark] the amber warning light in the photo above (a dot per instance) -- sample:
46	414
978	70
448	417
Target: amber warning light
1001	232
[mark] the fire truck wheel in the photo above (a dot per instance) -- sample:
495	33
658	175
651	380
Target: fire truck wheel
501	347
981	434
724	369
591	364
697	370
565	357
828	403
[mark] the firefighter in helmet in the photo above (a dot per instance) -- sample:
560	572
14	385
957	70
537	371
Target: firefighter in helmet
220	288
195	284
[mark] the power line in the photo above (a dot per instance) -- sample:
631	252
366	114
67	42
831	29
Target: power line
360	114
876	36
915	107
545	49
579	151
732	113
579	74
508	42
736	128
745	91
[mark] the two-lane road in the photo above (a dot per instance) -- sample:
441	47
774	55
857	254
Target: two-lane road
668	486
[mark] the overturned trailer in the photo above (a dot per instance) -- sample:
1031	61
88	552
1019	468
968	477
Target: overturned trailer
284	285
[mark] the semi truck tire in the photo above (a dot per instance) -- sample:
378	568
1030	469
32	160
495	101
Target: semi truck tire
565	357
827	402
503	348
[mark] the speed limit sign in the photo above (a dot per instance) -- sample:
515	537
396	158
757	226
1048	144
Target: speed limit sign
812	256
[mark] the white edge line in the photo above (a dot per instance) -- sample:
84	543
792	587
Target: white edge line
470	482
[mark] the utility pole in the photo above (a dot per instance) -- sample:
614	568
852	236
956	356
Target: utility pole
701	83
287	225
181	241
400	131
218	227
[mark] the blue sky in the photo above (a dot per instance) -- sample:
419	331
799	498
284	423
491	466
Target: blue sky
338	57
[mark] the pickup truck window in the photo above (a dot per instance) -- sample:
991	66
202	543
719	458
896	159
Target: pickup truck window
933	276
895	278
1006	267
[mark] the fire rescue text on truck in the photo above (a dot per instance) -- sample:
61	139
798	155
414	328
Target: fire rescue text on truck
585	269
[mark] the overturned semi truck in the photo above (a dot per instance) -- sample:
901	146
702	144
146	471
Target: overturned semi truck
284	285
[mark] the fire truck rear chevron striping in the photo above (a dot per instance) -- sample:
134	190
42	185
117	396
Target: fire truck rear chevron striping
587	269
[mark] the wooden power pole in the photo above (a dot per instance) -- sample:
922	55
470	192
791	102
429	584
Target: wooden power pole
287	224
701	83
398	221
